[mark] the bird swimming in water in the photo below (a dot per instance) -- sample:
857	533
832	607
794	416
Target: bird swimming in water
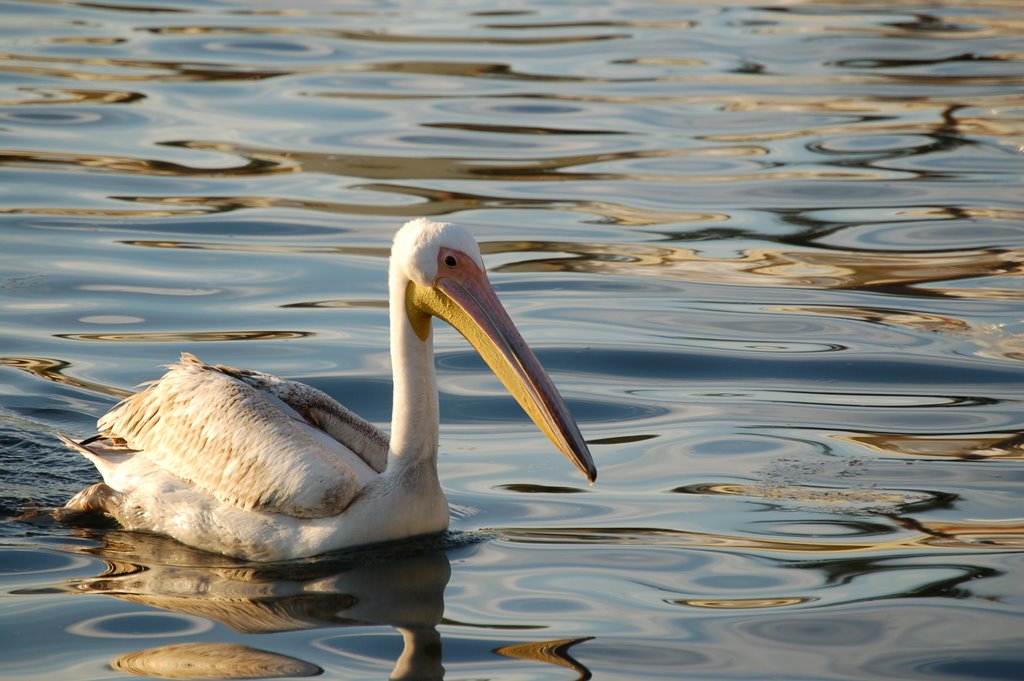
258	467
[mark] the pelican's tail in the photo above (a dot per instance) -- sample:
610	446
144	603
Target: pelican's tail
103	452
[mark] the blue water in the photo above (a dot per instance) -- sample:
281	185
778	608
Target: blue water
771	254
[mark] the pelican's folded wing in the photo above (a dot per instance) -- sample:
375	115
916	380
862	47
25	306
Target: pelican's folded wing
236	443
319	409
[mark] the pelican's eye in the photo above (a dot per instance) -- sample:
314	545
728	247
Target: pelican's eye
450	261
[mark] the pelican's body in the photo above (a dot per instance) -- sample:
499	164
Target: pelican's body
250	465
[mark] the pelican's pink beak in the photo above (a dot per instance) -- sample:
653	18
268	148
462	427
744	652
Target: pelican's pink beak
463	296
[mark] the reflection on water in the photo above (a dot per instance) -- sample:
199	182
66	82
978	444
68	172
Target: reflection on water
212	661
772	255
186	337
54	370
401	586
406	594
886	273
1002	446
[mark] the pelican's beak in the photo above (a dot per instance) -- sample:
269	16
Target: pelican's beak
463	297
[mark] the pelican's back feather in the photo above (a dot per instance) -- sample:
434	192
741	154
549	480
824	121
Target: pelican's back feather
231	440
319	409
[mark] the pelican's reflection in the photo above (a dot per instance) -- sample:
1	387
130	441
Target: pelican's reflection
401	586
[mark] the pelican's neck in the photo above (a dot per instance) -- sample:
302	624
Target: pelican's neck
414	416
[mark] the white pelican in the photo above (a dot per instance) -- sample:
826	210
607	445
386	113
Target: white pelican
250	465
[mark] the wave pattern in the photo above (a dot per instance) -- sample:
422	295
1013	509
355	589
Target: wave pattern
771	252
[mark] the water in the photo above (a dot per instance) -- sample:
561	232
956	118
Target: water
770	253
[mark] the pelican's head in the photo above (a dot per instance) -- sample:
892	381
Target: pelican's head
445	278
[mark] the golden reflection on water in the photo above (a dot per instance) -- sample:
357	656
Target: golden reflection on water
186	336
960	26
102	69
64	96
212	661
407	592
133	166
55	370
401	586
1008	538
425	202
280	249
549	652
988	534
550	168
1004	446
742	603
398	167
803	268
949	120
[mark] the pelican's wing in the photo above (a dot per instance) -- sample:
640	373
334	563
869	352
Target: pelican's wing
319	409
244	446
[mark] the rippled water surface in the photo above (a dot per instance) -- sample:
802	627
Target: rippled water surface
771	254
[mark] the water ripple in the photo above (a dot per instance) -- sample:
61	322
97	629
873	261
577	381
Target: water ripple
770	254
893	273
212	661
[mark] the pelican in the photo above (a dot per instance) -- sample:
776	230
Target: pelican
258	467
